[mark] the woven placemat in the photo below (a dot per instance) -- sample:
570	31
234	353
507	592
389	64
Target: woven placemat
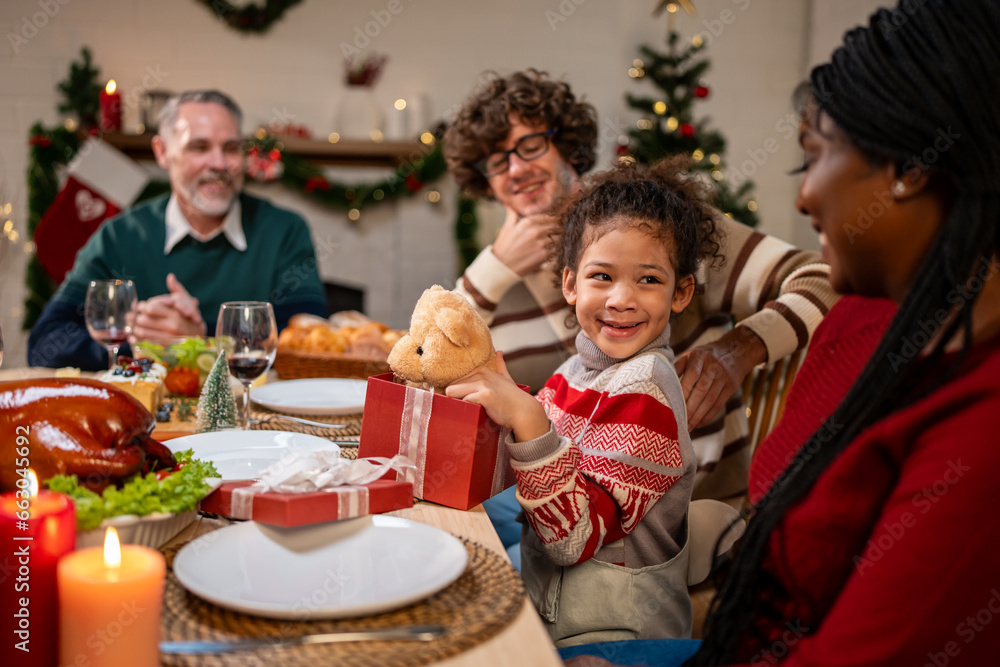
483	601
272	421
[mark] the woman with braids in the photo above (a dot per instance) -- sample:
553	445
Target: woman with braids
877	544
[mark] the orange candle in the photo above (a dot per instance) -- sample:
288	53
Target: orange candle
109	605
36	528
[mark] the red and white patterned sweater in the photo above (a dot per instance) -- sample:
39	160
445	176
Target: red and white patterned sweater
613	477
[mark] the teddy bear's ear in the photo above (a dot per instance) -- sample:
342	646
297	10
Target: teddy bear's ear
451	324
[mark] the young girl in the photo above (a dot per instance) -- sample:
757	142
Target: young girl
603	457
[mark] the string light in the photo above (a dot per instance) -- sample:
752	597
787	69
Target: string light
261	133
638	64
433	196
697	155
697	41
333	138
378	194
714	158
427	138
660	108
672	8
644	124
354	215
752	205
717	174
400	104
70	125
29	247
672	124
377	136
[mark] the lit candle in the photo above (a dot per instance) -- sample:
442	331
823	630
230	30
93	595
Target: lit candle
109	605
36	528
111	109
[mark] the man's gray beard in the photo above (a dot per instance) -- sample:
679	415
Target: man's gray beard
212	208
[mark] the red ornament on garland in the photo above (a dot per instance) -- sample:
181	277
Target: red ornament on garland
317	183
700	91
412	183
39	140
621	150
687	130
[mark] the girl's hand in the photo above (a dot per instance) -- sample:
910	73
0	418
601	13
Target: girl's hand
505	403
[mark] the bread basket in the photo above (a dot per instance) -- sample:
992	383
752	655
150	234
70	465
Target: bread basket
292	364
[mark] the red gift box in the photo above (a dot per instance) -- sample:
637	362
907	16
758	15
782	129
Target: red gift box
237	501
460	453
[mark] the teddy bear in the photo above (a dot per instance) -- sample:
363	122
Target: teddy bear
447	340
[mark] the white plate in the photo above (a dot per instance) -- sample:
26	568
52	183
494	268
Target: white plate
244	454
336	569
313	396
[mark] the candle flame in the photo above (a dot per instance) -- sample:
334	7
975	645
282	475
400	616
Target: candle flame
32	489
112	549
110	88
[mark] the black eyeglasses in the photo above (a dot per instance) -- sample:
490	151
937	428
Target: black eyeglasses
529	147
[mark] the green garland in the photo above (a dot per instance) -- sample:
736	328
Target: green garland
250	17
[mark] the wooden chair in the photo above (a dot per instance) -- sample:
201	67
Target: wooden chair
765	392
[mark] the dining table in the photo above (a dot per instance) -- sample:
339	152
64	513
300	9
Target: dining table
522	640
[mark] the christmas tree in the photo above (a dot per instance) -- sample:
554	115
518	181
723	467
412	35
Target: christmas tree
217	405
669	127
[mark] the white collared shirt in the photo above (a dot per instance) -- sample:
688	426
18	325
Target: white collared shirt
178	227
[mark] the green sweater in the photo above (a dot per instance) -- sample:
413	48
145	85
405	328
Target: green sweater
279	265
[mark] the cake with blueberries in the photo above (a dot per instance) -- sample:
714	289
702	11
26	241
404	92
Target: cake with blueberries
142	378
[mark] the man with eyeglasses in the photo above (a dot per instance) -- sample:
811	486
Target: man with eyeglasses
525	140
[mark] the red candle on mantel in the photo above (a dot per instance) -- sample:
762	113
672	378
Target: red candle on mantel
36	529
111	109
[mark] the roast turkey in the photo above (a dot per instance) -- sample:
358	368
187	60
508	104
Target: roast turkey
86	428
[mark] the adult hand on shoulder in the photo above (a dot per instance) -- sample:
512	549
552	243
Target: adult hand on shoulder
522	244
173	314
711	373
505	403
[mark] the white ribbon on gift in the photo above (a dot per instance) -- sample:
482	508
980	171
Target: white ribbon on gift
413	427
315	471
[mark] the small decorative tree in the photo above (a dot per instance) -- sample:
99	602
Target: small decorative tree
217	405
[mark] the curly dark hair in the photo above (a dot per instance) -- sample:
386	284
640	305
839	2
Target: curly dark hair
483	123
663	200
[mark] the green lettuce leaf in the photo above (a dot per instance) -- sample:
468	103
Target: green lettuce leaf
141	495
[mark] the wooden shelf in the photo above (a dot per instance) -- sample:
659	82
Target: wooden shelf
356	153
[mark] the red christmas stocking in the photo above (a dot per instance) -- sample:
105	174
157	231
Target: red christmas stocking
101	182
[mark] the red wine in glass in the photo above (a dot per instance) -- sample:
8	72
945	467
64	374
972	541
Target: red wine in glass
109	337
246	369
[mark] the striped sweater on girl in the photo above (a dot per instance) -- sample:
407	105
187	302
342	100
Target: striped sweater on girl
612	478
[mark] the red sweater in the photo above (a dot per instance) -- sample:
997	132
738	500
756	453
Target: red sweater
893	558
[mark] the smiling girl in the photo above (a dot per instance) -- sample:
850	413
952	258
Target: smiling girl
603	457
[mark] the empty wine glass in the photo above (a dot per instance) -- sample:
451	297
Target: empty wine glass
108	313
247	332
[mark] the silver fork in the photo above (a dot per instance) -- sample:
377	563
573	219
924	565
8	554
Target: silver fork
309	422
420	633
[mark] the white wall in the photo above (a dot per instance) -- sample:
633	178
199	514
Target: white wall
759	51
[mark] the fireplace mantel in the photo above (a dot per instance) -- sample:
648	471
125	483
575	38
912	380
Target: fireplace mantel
346	152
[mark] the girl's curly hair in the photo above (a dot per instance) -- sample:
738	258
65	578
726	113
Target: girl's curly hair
484	122
663	200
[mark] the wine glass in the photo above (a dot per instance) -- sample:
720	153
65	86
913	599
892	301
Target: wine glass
248	333
108	313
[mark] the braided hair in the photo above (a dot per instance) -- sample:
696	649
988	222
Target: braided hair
921	69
